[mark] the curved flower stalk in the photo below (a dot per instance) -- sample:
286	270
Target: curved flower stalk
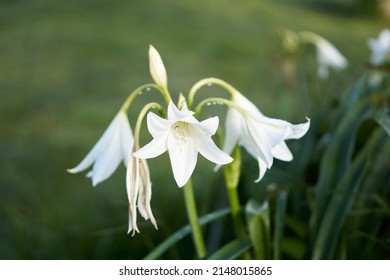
380	48
263	137
328	56
183	136
113	147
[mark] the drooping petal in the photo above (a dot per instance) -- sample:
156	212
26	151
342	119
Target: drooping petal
98	149
132	187
183	151
262	169
145	194
298	130
234	124
127	139
107	162
259	142
282	152
210	151
154	148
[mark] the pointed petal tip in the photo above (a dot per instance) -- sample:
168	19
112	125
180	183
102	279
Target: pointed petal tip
71	170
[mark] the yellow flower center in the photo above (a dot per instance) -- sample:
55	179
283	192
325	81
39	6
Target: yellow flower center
181	133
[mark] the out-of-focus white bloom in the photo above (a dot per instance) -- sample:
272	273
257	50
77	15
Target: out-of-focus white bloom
139	192
157	68
328	57
380	48
113	147
261	136
183	136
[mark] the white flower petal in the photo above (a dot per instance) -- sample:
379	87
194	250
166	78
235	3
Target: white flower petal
132	187
99	147
127	139
113	147
156	124
175	114
208	126
154	148
108	162
262	169
210	151
234	124
145	194
298	130
183	152
282	152
259	142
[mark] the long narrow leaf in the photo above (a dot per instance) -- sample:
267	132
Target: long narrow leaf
343	198
280	214
336	159
183	232
232	250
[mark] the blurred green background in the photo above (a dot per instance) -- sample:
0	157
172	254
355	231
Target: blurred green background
67	66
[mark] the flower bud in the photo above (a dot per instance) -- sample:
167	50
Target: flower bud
157	69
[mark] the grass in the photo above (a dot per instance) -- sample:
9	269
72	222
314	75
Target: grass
65	69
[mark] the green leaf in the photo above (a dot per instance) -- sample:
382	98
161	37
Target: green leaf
359	91
383	118
280	214
343	198
183	232
336	159
371	210
293	247
259	227
232	250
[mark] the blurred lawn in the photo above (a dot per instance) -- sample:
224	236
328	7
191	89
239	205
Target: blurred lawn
67	66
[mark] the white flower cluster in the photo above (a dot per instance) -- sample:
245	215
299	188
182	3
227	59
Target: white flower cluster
183	136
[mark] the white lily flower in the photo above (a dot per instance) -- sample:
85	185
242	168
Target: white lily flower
113	147
261	136
328	57
139	192
157	68
183	136
380	48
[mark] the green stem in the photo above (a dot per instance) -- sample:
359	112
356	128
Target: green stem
141	116
208	81
139	90
194	220
213	100
234	204
232	176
